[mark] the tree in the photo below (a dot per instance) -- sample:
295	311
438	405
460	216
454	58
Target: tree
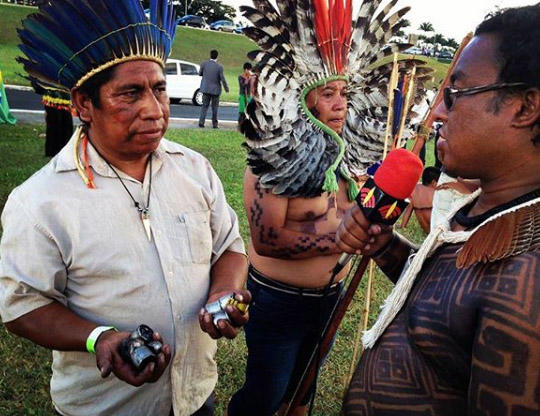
452	43
211	10
405	23
426	27
438	38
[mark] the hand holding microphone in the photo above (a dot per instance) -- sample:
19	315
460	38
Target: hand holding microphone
366	227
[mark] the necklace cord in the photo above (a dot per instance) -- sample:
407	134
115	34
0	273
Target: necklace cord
142	210
464	220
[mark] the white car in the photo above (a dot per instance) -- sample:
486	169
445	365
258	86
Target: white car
183	81
413	51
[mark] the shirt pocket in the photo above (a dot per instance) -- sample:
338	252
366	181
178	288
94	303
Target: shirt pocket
192	241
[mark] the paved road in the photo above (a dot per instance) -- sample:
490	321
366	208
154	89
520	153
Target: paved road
28	100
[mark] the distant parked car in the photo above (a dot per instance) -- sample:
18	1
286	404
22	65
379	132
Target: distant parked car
446	55
194	21
223	25
183	81
239	29
413	51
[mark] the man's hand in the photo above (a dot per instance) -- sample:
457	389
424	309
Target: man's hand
356	235
238	318
109	360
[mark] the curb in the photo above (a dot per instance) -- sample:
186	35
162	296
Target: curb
32	117
18	87
26	88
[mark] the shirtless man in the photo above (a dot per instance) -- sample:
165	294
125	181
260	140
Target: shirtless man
465	340
292	252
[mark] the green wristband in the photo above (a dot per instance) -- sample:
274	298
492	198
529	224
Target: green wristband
94	335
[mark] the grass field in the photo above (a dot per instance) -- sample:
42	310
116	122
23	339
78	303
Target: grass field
190	44
25	368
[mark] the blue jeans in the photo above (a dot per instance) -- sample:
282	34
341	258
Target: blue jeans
281	335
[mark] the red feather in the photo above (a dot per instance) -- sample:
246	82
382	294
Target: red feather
333	28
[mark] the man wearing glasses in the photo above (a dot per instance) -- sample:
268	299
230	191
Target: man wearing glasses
460	333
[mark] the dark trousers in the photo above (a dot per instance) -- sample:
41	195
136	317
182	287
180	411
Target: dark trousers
59	130
281	335
207	98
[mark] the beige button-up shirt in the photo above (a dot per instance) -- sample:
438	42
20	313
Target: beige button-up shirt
87	249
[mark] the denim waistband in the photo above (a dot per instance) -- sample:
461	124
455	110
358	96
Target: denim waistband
263	280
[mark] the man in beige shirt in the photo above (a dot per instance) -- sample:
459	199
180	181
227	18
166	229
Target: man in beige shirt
153	243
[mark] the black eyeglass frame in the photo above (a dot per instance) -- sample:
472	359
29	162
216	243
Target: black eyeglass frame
450	91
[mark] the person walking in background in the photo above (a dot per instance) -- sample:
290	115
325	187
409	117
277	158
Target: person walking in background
58	119
212	79
244	91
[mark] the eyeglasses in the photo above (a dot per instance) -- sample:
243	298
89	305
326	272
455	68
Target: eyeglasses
450	94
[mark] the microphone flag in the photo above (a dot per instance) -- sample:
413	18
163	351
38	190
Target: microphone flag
378	206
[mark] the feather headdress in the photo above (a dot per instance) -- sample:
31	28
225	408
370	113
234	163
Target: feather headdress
304	44
68	41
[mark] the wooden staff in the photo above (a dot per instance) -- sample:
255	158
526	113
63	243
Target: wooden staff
327	335
362	325
427	124
390	118
406	106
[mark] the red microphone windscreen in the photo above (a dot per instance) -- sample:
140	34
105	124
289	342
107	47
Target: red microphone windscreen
399	173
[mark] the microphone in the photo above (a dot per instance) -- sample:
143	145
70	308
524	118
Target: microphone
382	197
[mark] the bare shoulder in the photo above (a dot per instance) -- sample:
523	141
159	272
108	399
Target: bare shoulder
255	191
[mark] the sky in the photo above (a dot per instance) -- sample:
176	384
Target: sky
451	18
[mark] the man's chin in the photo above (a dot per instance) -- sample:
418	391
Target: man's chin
337	129
450	171
336	125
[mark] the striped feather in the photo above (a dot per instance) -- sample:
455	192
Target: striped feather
67	39
285	150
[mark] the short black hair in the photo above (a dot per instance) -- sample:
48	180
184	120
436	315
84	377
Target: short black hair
430	174
92	85
213	54
518	32
247	65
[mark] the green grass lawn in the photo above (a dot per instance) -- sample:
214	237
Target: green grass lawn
25	368
190	44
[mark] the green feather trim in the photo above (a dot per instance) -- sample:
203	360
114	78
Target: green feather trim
352	188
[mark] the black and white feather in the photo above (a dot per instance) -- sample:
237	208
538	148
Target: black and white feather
286	150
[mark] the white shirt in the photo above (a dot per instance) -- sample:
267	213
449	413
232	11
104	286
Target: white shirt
87	249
